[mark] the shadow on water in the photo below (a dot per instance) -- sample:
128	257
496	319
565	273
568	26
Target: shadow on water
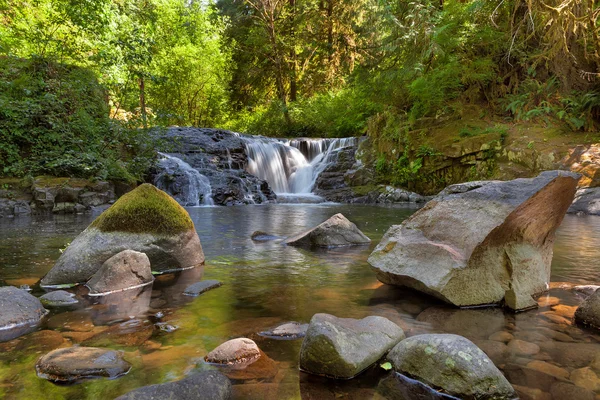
165	334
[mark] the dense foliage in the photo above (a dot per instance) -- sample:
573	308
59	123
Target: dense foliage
287	68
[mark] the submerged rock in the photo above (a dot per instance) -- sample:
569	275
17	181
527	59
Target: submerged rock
287	331
59	298
451	363
344	347
146	220
75	363
21	312
336	231
259	236
200	287
203	385
588	312
126	270
235	351
480	243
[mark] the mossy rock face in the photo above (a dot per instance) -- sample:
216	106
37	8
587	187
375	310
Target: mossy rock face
145	220
145	209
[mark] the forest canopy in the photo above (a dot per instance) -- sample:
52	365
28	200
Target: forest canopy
308	67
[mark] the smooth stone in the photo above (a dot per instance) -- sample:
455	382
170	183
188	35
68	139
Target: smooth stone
235	351
526	393
495	350
200	287
344	347
287	331
260	236
58	298
548	301
264	368
565	311
336	231
553	317
451	363
530	336
501	336
561	390
549	369
203	385
126	270
74	363
571	355
488	242
588	313
586	378
523	348
21	312
131	333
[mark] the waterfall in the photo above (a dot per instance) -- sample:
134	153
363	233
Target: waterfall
188	186
292	166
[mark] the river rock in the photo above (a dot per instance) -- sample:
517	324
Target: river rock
21	312
336	231
126	270
522	348
74	363
562	390
586	378
344	347
235	351
451	363
200	287
58	298
204	385
588	312
146	220
483	243
287	331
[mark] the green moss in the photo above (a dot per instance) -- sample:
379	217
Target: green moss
145	209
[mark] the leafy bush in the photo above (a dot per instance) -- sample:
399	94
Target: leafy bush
54	120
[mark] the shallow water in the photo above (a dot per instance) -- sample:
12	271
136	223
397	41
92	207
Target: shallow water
266	284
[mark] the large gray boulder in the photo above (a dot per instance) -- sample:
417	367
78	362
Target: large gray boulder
336	231
344	347
126	270
480	243
588	313
20	312
146	220
451	363
204	385
74	363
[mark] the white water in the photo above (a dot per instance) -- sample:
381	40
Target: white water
198	187
292	167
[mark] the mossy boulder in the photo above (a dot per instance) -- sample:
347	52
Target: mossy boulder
453	364
146	220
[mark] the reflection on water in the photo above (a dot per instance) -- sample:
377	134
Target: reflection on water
266	284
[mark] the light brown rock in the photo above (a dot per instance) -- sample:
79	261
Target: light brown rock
549	369
126	270
586	378
501	336
522	348
235	351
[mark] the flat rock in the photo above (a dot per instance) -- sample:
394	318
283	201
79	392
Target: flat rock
549	369
451	363
260	236
58	298
490	243
501	336
200	287
588	313
21	313
235	351
203	385
336	231
287	331
146	220
344	347
126	270
74	363
522	348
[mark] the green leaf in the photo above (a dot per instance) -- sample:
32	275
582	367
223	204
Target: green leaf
387	366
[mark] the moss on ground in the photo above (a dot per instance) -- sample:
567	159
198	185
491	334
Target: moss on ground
145	209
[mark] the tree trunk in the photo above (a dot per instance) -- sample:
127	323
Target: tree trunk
143	102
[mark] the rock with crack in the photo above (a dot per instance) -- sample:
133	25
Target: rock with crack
336	231
480	243
453	364
146	220
126	270
342	348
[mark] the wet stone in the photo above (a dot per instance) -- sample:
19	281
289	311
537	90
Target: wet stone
501	336
549	369
562	390
548	301
526	393
75	363
260	236
71	321
522	348
287	331
41	341
235	351
200	287
264	368
58	298
20	313
586	378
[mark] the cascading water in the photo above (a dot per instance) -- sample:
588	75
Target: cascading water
195	192
292	167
